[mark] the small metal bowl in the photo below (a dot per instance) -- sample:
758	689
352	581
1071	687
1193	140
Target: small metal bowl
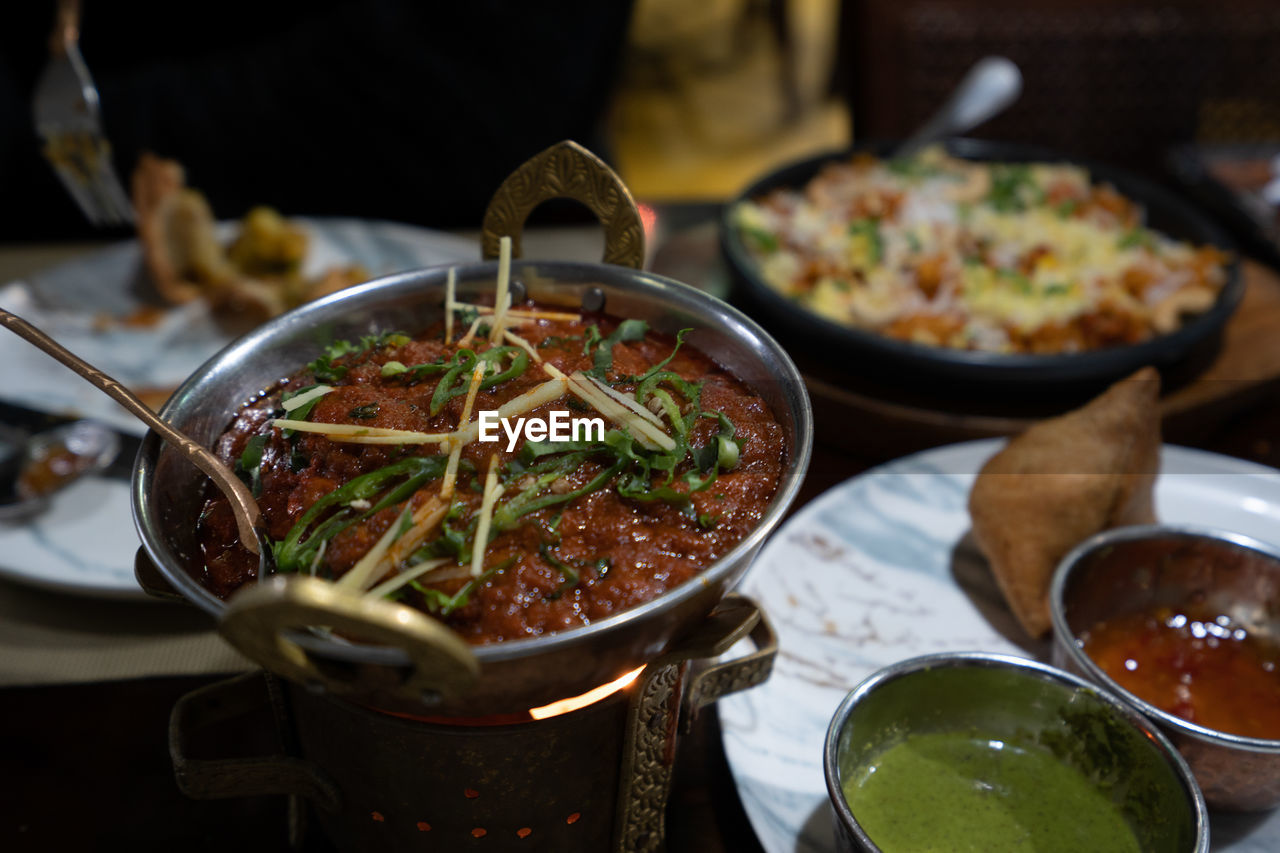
1001	696
1128	569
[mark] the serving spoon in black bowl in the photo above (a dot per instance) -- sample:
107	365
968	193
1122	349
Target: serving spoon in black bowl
989	87
243	505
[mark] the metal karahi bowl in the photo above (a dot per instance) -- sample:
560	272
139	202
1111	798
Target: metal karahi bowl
1001	696
1127	570
168	492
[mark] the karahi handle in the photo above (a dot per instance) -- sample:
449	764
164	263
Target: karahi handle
730	676
566	170
246	701
152	581
259	619
648	757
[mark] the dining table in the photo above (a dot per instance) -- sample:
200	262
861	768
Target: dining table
87	684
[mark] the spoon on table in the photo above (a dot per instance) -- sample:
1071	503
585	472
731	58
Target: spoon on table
35	466
243	506
989	87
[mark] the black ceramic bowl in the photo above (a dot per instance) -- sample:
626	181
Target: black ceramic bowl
943	370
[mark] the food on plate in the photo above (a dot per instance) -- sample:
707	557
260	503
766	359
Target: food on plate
259	273
1195	662
374	468
1062	481
999	257
972	791
51	468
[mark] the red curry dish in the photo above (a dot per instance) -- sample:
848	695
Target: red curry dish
369	471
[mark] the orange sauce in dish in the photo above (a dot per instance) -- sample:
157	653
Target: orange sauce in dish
1198	665
51	470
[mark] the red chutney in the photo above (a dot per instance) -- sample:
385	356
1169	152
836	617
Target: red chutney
592	550
1196	664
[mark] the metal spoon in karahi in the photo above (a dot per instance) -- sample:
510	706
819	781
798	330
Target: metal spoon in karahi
247	514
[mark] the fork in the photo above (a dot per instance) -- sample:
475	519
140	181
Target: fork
68	117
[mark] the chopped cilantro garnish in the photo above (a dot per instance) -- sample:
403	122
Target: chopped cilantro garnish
443	604
1012	187
1134	238
327	371
415	372
467	315
869	230
914	167
1019	281
559	340
301	413
762	239
571	573
324	368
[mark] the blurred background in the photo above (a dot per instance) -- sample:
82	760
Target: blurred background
1186	92
414	113
710	100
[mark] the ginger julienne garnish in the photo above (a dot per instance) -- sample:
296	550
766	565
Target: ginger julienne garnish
378	475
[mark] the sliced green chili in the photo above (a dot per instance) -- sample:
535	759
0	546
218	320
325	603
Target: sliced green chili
457	377
660	365
293	553
628	330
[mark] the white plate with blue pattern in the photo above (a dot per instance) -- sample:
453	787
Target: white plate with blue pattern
85	542
882	568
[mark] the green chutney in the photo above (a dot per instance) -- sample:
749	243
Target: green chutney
959	792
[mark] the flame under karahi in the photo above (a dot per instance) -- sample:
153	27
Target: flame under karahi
561	706
592	696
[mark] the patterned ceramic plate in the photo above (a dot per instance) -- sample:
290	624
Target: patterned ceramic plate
85	542
883	568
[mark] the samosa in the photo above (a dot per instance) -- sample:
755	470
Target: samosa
1062	481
